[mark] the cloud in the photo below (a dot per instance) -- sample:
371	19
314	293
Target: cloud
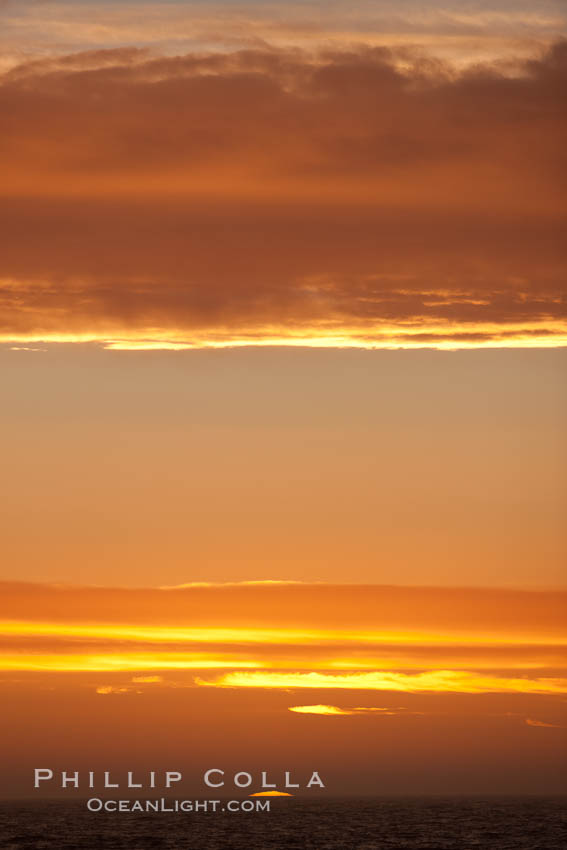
327	710
288	636
333	710
250	583
147	680
25	348
403	614
268	197
540	723
438	681
510	28
106	690
283	125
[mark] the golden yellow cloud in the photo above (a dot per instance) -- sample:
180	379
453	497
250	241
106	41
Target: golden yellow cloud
334	710
291	636
320	709
444	681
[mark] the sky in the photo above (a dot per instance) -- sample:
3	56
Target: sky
282	342
160	467
383	690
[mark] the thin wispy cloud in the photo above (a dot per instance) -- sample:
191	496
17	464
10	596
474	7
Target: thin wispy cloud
542	724
509	28
438	681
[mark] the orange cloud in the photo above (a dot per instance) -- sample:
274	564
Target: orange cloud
105	690
287	636
531	722
260	198
147	680
116	660
481	614
90	653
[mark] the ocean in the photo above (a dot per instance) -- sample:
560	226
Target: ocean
527	823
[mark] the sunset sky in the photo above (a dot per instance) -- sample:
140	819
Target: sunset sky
282	352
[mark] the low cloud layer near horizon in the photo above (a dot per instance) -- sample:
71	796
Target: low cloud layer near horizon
462	640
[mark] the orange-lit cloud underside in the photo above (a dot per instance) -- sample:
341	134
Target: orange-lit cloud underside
343	198
373	639
382	337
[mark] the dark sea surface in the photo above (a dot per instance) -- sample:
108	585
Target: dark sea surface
377	824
